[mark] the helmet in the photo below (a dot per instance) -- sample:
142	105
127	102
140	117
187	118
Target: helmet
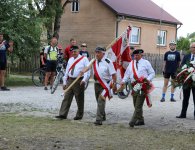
172	42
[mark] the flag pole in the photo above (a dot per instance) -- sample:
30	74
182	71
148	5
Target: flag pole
92	61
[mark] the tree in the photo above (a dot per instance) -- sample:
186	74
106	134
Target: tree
20	26
183	43
52	11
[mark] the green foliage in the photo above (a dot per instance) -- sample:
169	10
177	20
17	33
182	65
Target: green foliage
18	23
183	44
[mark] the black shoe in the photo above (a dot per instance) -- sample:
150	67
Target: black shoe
98	123
3	88
60	117
139	123
77	118
45	88
181	116
131	124
172	100
162	100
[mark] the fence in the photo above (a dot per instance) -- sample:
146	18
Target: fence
34	62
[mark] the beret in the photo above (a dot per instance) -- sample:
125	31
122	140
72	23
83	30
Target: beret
138	51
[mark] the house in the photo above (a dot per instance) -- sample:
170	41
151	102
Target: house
99	22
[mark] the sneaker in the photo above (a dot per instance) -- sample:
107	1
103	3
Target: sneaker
45	88
172	100
162	100
3	88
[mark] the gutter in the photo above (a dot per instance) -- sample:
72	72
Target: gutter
177	30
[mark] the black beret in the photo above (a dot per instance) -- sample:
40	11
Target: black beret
138	51
100	49
73	48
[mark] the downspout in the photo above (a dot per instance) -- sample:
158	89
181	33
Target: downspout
177	30
118	19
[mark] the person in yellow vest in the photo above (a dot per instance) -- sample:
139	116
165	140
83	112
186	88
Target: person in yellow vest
50	53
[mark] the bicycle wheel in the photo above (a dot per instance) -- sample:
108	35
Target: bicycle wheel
38	77
125	93
86	84
56	82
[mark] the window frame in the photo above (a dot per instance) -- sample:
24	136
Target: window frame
139	34
75	6
164	37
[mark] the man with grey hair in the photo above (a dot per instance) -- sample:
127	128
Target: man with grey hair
186	89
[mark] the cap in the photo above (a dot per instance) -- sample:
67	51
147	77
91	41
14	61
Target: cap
103	49
138	51
172	42
74	48
83	45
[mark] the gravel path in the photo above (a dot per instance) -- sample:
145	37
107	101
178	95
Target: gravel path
37	102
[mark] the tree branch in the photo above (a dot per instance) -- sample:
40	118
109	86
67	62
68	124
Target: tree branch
38	7
68	1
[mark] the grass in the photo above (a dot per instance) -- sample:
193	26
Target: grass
47	133
13	80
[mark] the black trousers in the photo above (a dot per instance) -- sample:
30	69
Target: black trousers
186	97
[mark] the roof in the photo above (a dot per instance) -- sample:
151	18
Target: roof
143	9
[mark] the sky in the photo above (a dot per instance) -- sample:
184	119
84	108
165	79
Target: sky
182	10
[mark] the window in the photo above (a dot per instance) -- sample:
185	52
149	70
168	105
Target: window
75	6
161	38
135	35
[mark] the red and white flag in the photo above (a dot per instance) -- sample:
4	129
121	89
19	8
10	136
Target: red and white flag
119	53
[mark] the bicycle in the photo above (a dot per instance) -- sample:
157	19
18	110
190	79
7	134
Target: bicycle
60	69
38	76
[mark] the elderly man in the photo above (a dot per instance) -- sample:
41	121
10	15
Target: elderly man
75	65
104	72
137	69
186	89
4	46
171	63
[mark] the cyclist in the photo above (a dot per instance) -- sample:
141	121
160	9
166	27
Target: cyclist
50	53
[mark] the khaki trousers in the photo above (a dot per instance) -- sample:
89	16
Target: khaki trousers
78	91
138	102
101	103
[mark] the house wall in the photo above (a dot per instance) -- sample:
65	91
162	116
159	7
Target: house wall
148	35
94	24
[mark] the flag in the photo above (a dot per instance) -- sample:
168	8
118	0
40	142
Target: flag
119	53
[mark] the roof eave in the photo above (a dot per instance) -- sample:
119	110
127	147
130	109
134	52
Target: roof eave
150	19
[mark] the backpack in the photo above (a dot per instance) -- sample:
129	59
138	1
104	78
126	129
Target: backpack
52	54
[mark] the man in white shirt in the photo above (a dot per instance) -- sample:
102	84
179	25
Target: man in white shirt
104	72
75	65
138	68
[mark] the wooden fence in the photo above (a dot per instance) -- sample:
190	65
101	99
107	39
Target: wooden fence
34	62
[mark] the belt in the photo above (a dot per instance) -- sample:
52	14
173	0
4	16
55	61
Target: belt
75	78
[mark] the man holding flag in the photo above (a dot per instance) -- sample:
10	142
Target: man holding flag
140	72
120	55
